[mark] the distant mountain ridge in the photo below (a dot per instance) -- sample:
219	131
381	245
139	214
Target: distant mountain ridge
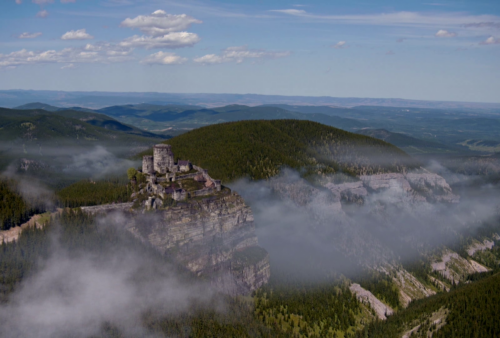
417	130
96	100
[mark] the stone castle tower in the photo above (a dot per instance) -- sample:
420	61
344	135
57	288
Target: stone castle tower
148	165
163	158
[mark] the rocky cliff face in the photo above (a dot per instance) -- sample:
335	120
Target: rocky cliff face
213	237
414	187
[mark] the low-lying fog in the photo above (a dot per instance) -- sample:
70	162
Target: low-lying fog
309	234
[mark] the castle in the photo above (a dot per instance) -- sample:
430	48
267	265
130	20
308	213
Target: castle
161	169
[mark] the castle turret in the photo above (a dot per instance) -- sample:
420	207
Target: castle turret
147	165
163	158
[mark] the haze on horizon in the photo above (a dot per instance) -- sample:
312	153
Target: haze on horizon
445	51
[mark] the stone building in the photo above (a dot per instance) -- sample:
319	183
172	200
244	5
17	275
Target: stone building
148	165
161	167
163	158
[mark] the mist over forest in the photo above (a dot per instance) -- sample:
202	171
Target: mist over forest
254	169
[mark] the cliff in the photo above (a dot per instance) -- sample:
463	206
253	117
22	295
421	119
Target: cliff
213	237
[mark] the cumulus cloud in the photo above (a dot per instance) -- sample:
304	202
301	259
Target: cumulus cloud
27	35
160	23
163	58
490	41
170	40
98	53
68	66
80	34
445	34
340	45
240	54
42	14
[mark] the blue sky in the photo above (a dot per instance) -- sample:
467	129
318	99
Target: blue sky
445	50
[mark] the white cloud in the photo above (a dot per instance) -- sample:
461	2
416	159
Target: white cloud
164	58
340	45
297	12
19	2
42	14
68	66
80	34
490	41
210	59
27	35
170	40
160	23
239	54
483	25
445	34
98	53
412	19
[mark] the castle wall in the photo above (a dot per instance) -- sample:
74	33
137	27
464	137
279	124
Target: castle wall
148	165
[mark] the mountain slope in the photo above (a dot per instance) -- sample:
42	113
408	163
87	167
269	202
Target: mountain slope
37	105
84	115
151	117
469	311
258	149
409	144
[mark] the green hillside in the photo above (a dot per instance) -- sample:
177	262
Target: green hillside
45	144
258	149
92	118
37	105
471	310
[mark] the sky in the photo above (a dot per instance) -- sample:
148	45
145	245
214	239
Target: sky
424	50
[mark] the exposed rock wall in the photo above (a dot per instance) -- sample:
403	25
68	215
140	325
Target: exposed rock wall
454	268
213	237
363	295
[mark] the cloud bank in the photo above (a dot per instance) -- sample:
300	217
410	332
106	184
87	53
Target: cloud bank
160	23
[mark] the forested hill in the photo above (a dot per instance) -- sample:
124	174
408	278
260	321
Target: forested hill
14	210
67	126
259	149
471	310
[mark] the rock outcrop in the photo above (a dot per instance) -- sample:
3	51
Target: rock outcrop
415	187
212	237
454	268
363	295
478	246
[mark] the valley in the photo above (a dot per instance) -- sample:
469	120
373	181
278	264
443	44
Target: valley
306	210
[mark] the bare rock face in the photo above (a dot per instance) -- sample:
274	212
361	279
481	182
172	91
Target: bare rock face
432	186
363	295
414	187
353	192
453	267
212	237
